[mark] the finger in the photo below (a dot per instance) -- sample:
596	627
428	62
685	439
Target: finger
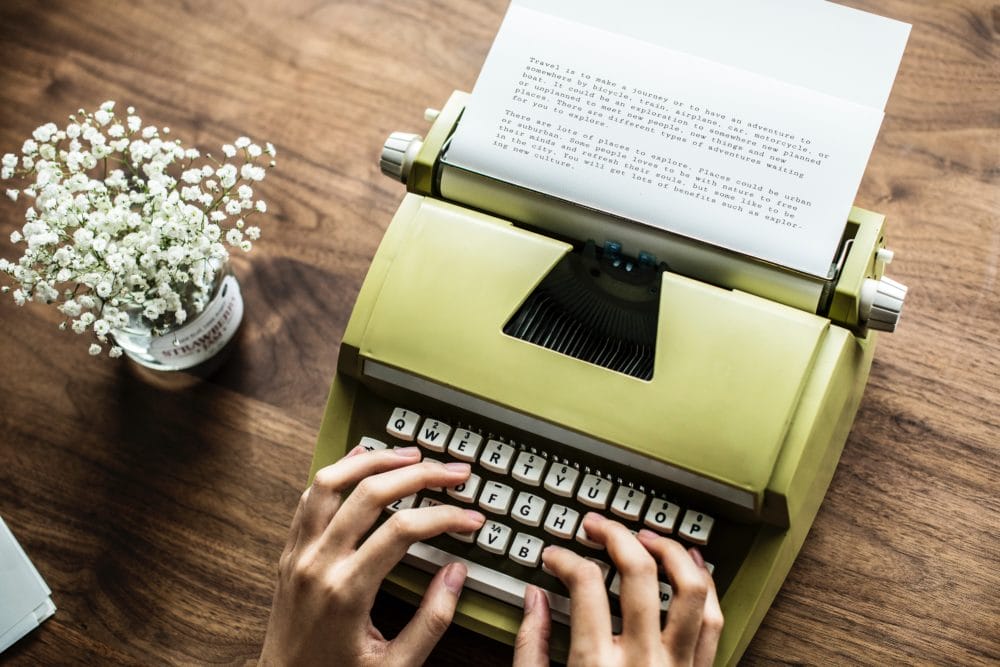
531	648
324	495
640	597
711	624
373	493
296	524
387	545
687	608
416	641
590	612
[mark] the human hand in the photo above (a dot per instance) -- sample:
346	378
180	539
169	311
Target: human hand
329	572
693	627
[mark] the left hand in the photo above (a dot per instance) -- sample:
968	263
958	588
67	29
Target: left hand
329	573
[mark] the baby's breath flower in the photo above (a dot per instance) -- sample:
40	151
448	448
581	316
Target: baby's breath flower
141	240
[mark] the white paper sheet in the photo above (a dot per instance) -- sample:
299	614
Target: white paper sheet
814	44
24	596
710	151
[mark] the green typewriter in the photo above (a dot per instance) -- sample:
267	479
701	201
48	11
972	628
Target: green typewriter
581	361
577	378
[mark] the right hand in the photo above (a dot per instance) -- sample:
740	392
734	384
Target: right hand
694	624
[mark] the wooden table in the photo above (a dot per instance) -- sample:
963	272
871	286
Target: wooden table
157	517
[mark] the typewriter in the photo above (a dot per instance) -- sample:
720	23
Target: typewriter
576	378
582	361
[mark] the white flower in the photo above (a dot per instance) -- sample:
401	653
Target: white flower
192	176
70	308
146	236
108	105
45	132
261	206
269	149
252	172
94	349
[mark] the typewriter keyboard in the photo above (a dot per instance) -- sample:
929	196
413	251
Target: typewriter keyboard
531	498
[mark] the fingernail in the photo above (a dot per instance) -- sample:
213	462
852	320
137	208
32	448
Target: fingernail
696	557
480	519
458	467
594	516
530	599
356	450
647	534
454	577
407	452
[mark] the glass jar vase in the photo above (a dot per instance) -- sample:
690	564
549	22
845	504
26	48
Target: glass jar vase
191	344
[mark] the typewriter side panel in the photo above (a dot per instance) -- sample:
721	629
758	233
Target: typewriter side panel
802	475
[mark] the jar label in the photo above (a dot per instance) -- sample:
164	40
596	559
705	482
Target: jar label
204	336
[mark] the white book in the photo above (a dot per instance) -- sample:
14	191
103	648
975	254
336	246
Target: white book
24	596
696	118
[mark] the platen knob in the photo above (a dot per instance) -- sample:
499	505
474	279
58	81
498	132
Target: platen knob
398	154
881	303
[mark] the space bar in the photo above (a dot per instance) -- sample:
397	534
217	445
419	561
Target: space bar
485	580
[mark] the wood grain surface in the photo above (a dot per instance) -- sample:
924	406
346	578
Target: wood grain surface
157	517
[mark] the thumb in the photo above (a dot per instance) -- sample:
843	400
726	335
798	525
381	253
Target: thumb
531	648
416	641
